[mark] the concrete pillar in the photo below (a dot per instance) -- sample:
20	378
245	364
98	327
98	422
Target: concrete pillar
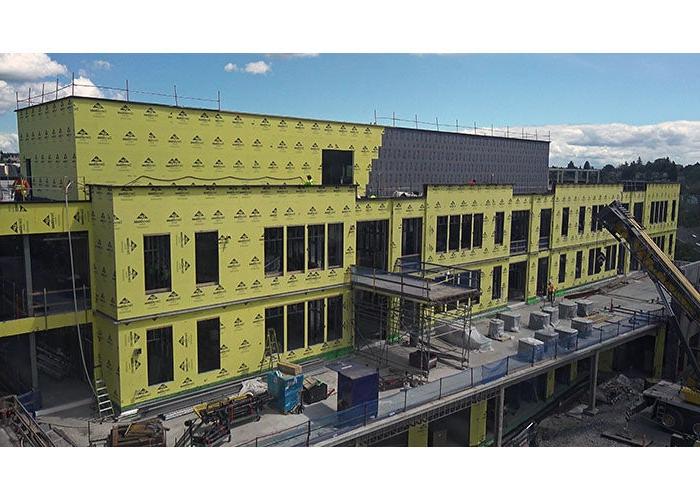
659	352
28	273
549	386
477	423
418	435
593	385
500	403
573	373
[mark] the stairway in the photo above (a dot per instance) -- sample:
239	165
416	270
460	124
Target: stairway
104	403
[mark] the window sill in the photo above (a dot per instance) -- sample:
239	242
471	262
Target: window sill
158	290
210	283
274	275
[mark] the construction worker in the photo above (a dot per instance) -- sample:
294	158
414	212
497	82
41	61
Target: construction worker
550	292
309	181
22	188
472	182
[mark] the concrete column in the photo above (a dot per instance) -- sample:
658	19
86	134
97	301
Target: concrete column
593	385
418	435
549	386
500	403
477	423
28	273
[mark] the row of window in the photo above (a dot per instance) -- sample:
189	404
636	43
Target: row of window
659	211
157	265
323	319
323	242
159	350
463	232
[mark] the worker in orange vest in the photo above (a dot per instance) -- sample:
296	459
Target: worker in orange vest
550	292
22	189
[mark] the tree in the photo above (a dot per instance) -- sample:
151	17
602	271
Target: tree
571	165
587	166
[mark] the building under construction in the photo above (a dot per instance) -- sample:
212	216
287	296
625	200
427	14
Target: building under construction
167	252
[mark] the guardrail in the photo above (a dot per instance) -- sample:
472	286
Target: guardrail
338	423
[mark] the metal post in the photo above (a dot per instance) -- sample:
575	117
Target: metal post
393	119
218	99
456	125
375	116
72	84
175	89
500	403
416	121
437	125
42	93
32	361
28	274
127	91
16	99
365	424
30	95
405	398
56	88
308	433
440	393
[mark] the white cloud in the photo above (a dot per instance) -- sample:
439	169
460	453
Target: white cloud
27	67
230	68
616	143
101	64
257	68
9	142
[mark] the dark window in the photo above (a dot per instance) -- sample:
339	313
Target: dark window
335	245
454	232
519	231
336	167
591	261
579	264
274	323
159	351
206	248
372	242
295	326
599	260
317	245
613	258
498	233
411	236
608	258
315	326
639	212
673	210
562	268
476	282
496	283
466	243
335	318
156	261
581	219
441	234
670	245
208	345
274	248
478	230
295	248
545	227
565	221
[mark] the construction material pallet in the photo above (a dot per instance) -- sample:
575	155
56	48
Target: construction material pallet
146	433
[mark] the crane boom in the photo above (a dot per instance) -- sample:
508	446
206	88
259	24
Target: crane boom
661	269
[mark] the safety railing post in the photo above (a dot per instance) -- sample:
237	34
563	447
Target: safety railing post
405	399
45	305
308	433
618	327
472	377
440	392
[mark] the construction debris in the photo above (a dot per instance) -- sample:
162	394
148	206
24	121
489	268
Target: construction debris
147	433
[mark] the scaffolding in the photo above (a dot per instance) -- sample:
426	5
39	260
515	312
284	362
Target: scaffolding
415	305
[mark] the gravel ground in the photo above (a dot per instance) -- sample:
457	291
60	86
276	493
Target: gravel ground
572	427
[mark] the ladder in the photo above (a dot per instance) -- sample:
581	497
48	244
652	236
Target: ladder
104	404
271	350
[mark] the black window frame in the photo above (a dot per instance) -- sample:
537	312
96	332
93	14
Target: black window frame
316	241
202	245
159	347
579	265
336	244
565	221
499	228
208	345
274	319
477	230
454	225
316	319
581	220
334	323
296	254
274	251
441	230
562	268
161	242
466	240
296	320
496	283
331	161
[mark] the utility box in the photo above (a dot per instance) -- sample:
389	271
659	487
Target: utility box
285	390
358	394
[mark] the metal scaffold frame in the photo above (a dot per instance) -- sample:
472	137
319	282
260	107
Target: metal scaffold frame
402	311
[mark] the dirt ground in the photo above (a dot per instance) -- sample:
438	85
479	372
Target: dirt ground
572	427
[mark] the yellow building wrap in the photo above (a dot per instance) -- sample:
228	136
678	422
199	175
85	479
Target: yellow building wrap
477	423
418	435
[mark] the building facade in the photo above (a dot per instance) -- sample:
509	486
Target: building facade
196	244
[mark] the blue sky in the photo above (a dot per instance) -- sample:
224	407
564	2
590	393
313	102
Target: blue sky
602	107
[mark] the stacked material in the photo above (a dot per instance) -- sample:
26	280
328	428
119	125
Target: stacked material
511	321
144	433
530	349
583	326
549	337
538	320
285	390
553	314
567	309
584	307
469	338
567	337
496	328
